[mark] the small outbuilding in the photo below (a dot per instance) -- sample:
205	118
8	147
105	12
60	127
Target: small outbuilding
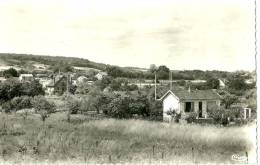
187	101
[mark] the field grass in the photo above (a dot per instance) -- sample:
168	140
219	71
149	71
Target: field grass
27	139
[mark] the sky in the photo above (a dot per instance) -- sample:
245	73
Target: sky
187	34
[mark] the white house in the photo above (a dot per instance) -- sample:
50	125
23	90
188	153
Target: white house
26	77
82	79
100	75
222	83
186	101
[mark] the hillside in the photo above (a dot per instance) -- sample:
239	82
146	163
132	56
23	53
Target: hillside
32	61
43	62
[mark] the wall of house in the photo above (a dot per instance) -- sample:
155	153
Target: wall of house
205	106
169	103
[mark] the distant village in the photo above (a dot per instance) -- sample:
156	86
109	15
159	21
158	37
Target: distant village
175	97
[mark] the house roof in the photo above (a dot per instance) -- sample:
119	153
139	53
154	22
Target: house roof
102	73
26	75
193	94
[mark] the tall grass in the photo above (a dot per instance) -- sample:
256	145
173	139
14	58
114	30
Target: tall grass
117	141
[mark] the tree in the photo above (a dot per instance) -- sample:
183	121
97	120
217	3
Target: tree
102	84
212	83
73	105
95	98
10	73
228	100
163	72
237	83
153	68
41	104
32	88
83	88
10	89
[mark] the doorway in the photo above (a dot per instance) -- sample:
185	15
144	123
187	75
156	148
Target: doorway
200	109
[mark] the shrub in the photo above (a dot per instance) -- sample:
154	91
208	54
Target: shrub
119	107
216	113
176	116
155	110
7	106
44	115
21	102
73	105
191	117
41	104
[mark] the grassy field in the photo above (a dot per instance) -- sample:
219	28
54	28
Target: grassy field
27	139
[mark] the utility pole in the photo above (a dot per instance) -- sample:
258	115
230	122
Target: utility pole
170	77
155	96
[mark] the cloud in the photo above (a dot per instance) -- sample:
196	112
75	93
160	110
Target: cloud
181	35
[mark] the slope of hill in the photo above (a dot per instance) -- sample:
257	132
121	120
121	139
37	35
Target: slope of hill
29	61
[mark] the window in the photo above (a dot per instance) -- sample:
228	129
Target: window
189	106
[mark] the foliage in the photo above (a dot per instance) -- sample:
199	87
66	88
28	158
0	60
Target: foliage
156	112
73	105
134	139
212	83
102	84
21	102
11	72
12	88
228	100
44	115
41	104
163	72
7	106
237	83
192	116
216	113
32	88
83	88
176	116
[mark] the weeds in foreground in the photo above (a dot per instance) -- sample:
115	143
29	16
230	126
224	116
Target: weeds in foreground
117	141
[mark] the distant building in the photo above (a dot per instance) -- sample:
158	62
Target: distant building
2	79
222	83
82	79
59	85
26	77
101	75
187	101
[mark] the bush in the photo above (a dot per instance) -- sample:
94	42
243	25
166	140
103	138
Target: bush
73	105
41	104
216	113
155	110
7	106
21	102
17	103
191	117
176	116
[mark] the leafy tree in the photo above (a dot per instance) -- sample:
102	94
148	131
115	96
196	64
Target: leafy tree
73	105
163	72
32	88
83	88
102	84
114	71
212	83
153	68
10	89
237	83
40	104
11	72
228	100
